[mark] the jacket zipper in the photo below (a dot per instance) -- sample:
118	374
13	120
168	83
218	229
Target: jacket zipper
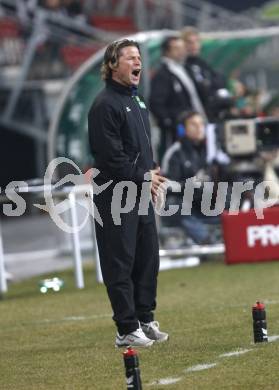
142	121
136	159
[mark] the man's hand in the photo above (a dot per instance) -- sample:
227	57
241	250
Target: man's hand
156	181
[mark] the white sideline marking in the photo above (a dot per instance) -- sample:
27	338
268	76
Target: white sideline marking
165	381
200	367
82	318
235	353
267	302
73	318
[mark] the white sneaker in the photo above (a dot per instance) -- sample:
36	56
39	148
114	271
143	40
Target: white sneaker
133	339
152	331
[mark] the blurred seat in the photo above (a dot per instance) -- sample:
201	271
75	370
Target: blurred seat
9	28
73	56
114	23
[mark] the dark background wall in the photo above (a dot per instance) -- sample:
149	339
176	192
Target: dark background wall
17	161
238	5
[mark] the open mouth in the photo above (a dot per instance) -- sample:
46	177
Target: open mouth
136	72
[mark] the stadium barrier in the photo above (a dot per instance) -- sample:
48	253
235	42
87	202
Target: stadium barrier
170	258
250	239
70	194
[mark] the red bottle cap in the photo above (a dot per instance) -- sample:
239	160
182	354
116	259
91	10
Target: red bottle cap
130	352
258	306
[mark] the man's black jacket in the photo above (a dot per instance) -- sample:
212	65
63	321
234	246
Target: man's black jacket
168	98
119	134
184	159
207	82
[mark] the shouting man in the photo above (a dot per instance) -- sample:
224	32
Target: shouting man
119	136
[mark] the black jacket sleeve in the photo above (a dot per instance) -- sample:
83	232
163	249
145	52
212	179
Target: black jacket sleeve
106	143
160	91
174	171
177	170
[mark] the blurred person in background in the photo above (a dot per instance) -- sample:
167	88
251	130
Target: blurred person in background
172	91
74	9
51	5
207	81
195	154
70	8
247	103
119	138
24	8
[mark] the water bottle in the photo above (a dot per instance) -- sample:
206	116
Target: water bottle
54	284
131	363
259	323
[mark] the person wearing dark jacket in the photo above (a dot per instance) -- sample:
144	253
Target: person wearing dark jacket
119	137
209	83
172	91
191	157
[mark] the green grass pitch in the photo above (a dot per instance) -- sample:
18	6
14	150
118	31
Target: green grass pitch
65	340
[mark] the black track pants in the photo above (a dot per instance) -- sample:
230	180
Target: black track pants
129	257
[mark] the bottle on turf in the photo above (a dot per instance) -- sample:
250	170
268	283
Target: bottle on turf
259	322
131	363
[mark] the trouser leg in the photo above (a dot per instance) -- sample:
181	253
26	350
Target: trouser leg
117	245
145	271
195	228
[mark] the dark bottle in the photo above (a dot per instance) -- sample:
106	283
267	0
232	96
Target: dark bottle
131	362
259	323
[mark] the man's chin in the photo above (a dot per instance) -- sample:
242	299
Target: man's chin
135	81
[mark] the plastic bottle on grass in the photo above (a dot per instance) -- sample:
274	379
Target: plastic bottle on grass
131	363
54	284
259	322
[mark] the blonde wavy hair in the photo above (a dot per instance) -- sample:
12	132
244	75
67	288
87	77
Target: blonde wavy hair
188	31
112	54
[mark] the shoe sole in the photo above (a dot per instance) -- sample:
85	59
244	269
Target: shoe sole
162	340
149	344
166	338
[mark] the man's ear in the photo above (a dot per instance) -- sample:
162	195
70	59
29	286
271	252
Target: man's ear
112	65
